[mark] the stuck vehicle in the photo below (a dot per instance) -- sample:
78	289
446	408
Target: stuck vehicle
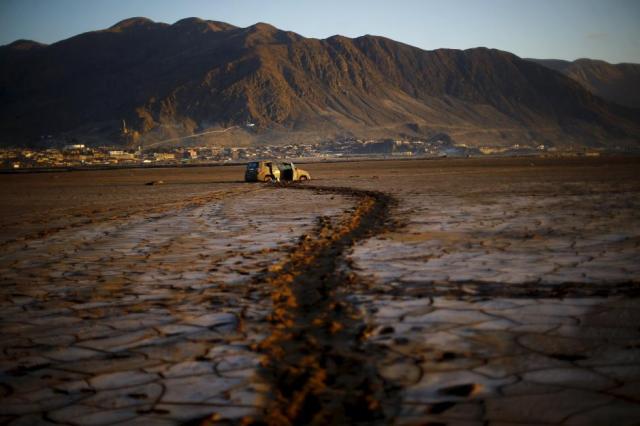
269	171
289	172
262	171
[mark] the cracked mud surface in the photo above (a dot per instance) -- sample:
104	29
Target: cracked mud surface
148	317
488	292
510	294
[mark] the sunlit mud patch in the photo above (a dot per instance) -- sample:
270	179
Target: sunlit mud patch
517	245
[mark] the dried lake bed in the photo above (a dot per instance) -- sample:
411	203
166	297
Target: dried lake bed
471	291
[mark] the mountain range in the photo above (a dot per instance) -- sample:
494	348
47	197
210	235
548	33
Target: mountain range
141	82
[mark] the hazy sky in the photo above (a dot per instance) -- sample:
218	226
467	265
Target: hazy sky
563	29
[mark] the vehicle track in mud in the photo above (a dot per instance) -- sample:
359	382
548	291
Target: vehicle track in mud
320	368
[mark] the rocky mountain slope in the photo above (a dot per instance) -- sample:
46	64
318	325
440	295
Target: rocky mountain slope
167	81
618	83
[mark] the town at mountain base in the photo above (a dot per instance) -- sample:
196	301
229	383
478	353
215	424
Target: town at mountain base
139	83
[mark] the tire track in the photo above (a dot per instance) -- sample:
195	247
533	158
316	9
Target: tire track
320	368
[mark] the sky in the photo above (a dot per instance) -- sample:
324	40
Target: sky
558	29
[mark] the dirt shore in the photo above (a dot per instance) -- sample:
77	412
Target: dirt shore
467	291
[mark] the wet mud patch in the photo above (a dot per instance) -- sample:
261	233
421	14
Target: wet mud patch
320	367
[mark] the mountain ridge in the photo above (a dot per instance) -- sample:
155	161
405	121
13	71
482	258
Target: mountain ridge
618	83
195	75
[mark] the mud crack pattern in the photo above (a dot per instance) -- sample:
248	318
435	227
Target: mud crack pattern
507	296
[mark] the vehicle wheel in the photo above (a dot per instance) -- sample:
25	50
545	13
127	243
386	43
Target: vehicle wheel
303	178
268	179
